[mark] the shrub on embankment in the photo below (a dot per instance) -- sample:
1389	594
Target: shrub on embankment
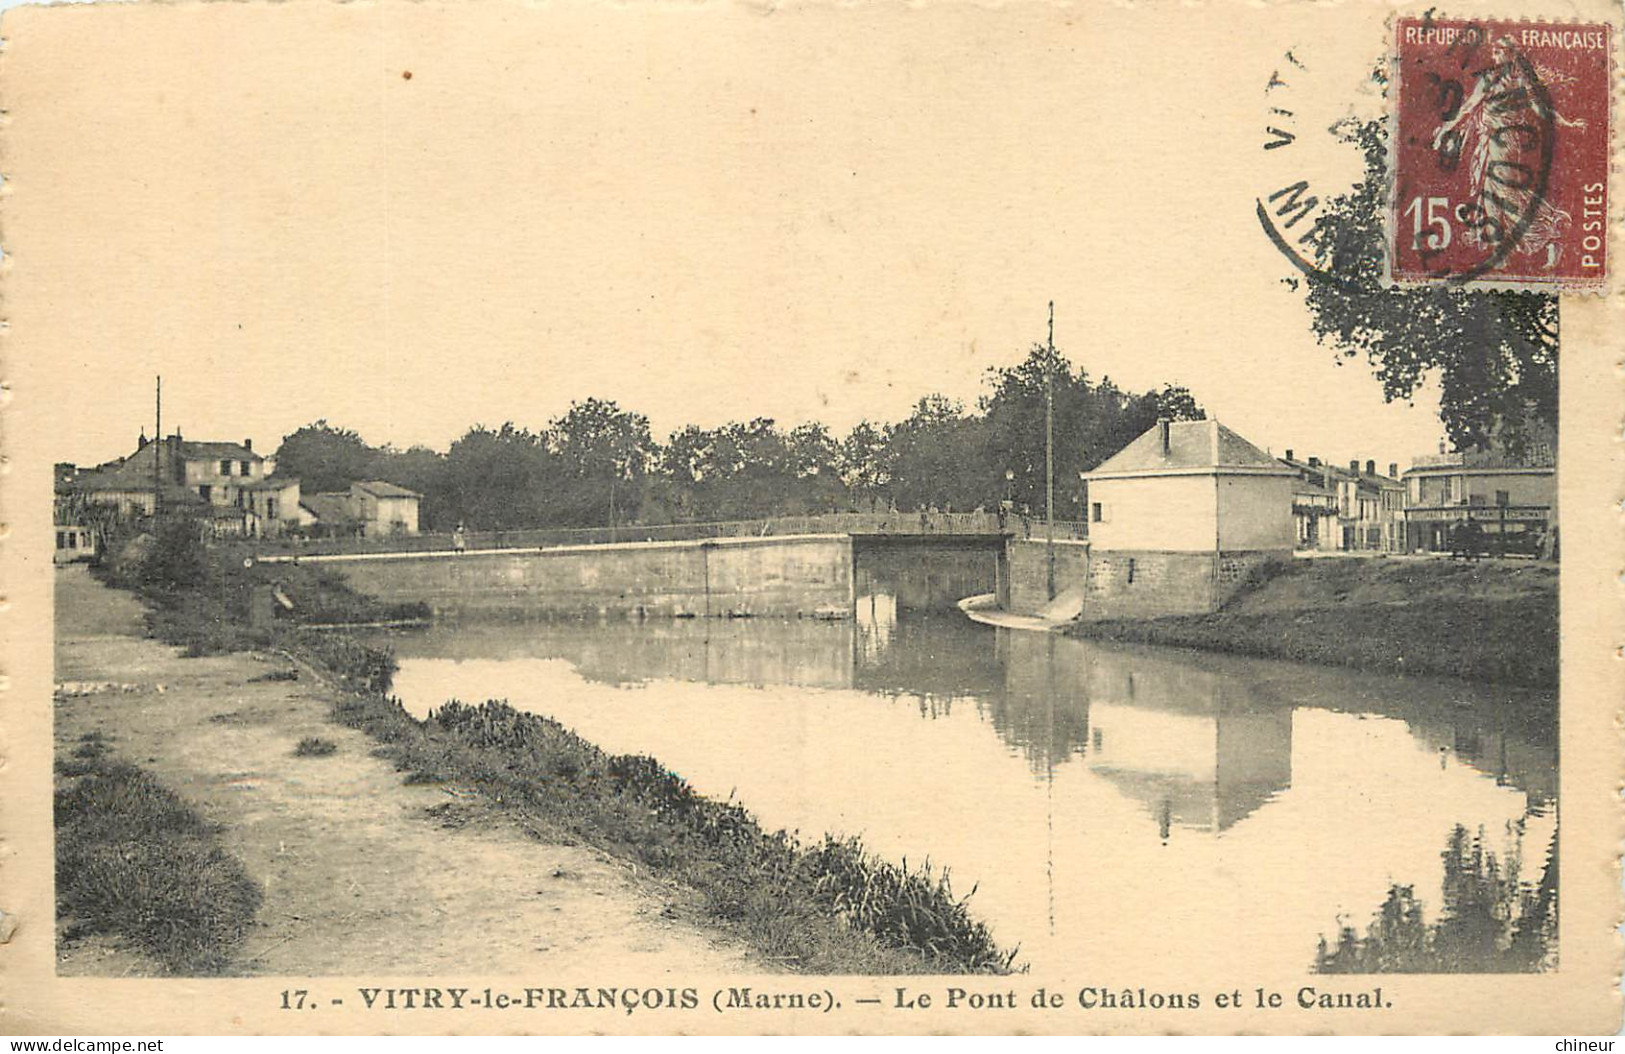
199	597
1481	622
831	907
133	860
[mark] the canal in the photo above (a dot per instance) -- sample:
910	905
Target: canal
1101	799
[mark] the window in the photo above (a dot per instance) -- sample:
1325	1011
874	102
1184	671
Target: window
1475	499
73	539
61	539
205	491
244	468
1503	498
225	468
1094	513
270	508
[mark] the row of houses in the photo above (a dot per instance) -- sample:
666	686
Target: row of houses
1334	508
1357	509
1156	490
234	489
1185	515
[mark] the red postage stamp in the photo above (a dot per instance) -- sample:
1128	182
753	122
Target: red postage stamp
1499	149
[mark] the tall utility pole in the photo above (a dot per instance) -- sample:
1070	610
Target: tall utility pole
1049	451
158	449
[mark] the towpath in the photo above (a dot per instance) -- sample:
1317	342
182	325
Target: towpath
363	874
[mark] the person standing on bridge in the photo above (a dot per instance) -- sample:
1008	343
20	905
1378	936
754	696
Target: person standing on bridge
459	540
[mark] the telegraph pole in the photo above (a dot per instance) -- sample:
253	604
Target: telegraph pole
158	449
1049	451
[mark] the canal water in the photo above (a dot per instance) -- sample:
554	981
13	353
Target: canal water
1101	799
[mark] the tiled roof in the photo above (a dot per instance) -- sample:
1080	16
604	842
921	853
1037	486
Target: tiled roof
135	471
328	508
1326	469
380	489
1193	446
131	479
132	473
194	450
268	483
1541	456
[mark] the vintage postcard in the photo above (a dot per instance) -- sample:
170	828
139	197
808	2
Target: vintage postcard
741	517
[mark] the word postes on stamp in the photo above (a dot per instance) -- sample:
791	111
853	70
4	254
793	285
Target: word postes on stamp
1499	150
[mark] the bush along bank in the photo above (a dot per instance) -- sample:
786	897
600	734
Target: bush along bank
827	908
199	598
134	861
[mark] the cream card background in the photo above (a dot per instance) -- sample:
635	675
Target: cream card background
256	195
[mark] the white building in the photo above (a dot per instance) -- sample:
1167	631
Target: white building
384	509
1180	517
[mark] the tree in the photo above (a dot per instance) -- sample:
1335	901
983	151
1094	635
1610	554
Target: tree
862	463
324	458
937	456
1494	352
605	453
814	463
1092	422
497	479
1176	403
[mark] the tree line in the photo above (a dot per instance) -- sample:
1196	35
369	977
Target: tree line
598	464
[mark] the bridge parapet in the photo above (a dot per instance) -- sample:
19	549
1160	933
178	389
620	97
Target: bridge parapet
857	524
802	576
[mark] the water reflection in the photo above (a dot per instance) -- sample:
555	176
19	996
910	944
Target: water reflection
1493	920
1103	797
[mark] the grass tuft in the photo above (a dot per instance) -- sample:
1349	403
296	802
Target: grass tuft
315	747
135	861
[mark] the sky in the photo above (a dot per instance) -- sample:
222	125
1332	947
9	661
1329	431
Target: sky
705	214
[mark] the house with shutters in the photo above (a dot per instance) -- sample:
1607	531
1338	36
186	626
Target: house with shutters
228	484
1352	509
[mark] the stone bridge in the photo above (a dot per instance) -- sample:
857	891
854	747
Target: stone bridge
770	575
790	566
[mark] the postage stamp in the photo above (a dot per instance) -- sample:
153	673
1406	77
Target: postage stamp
1499	150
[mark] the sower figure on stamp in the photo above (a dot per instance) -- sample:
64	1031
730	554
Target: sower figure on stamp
1506	153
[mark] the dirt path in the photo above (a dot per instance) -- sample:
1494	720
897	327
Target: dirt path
359	875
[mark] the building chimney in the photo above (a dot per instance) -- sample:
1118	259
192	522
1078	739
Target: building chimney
1289	453
1354	467
1393	470
1314	462
1370	468
1163	429
141	443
